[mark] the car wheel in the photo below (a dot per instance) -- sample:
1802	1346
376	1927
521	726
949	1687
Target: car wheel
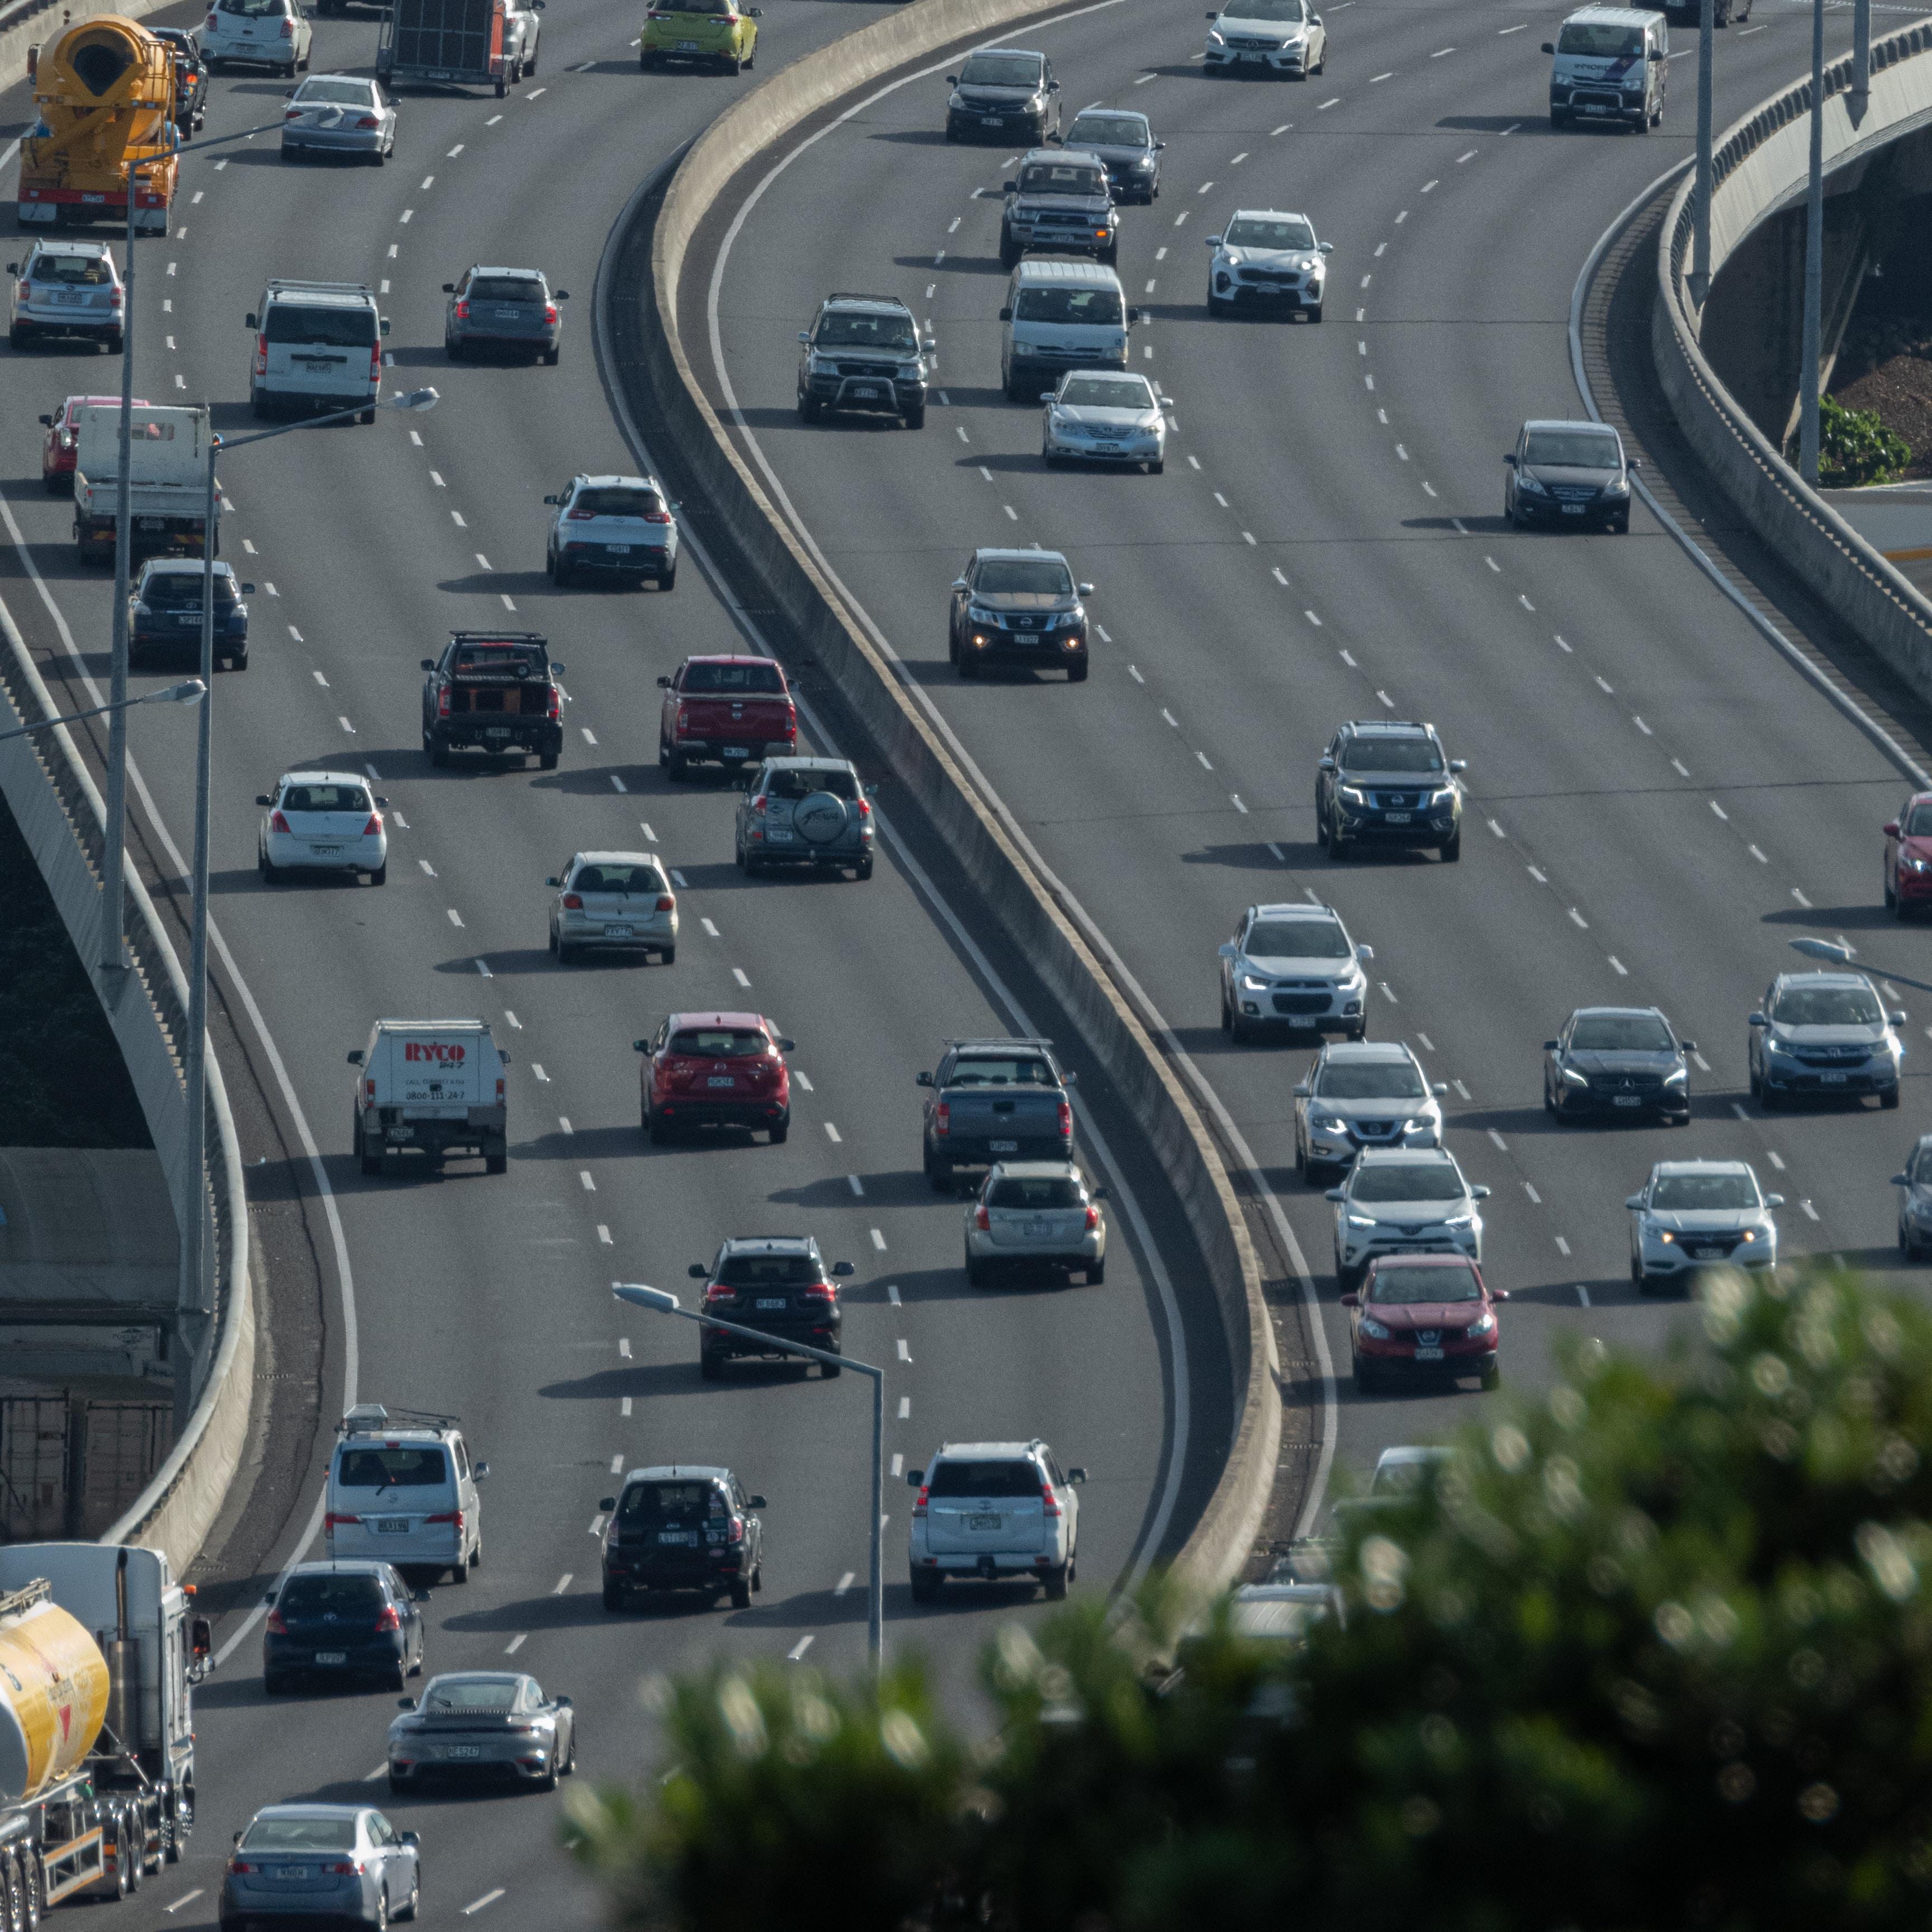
667	956
1889	1099
614	1597
1756	1083
1891	897
396	1786
273	1684
708	1366
926	1584
1559	119
1365	1380
915	417
808	409
410	1910
741	1596
1158	467
565	951
397	1676
779	1131
863	869
1076	672
1339	847
667	580
1452	848
679	770
976	1275
969	666
1055	1581
380	1923
1313	314
269	870
1493	1379
380	876
939	1175
1769	1097
1097	1272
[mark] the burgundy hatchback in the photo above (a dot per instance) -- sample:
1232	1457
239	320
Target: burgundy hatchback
715	1070
1423	1317
1908	856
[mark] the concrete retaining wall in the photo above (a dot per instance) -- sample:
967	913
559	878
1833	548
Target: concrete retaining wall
1760	166
1038	915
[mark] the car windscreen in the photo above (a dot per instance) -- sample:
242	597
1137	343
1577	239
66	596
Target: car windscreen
1406	1180
300	1834
609	877
1600	40
1379	1080
1035	1191
1693	1193
320	327
335	93
73	270
474	1693
769	1271
506	289
401	1467
737	679
501	660
253	9
1620	1032
176	588
1108	392
618	502
312	1596
1569	449
981	1070
1298	939
1021	577
325	798
1399	1286
1061	177
1256	231
1266	10
1390	755
962	1478
1109	131
854	329
1000	71
1918	822
801	785
668	1502
1827	1006
720	1043
1093	308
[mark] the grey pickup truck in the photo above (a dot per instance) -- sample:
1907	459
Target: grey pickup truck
994	1100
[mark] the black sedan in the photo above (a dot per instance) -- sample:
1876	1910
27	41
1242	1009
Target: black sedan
483	1725
1568	475
1126	146
345	1619
191	77
1618	1060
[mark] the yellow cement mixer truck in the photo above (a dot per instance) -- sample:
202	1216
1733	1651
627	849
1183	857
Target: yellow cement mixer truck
104	95
100	1651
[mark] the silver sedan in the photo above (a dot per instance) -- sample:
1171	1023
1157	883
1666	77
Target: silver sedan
483	1724
1106	416
1036	1213
606	900
339	114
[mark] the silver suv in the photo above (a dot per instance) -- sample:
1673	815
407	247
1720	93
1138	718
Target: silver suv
1363	1093
865	352
1404	1201
993	1511
807	812
66	288
1294	965
1822	1035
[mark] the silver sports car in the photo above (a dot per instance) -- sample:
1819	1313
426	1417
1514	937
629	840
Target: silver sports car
483	1724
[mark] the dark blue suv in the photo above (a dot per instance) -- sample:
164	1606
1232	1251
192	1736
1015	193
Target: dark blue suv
164	613
346	1619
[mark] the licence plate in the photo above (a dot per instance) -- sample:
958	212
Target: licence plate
722	1080
462	1751
865	392
154	523
324	1656
292	1871
770	1302
618	932
982	1522
1002	1147
1399	818
1626	1100
989	120
1036	1230
67	300
618	549
1707	1254
1429	1355
1573	509
402	1133
496	731
393	1526
684	1536
737	751
687	46
1833	1079
507	315
326	851
1251	57
1111	449
1594	107
778	835
1302	1019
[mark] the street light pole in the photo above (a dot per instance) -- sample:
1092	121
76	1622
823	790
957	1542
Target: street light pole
1860	58
1812	347
664	1302
191	692
1700	257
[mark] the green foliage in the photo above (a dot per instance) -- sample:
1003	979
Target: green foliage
1655	1651
1855	448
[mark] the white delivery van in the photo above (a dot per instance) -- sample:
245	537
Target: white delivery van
318	348
432	1088
402	1490
1610	63
1060	315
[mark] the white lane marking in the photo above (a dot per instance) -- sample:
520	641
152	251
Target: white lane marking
1276	571
1278	853
1563	1246
493	120
1757	855
1469	157
617	784
189	1898
403	219
1142	79
429	181
1170	717
1800	899
1203	188
1221	499
1181	216
857	1186
455	917
709	929
590	736
1160	253
1538	877
1429	187
644	827
1583	1296
1497	830
481	559
797	1652
536	93
1235	797
1440	52
1282	130
832	1133
1719	810
1248	538
738	974
904	1353
1738	1110
584	1175
1681	770
1374	78
803	1079
1502	1146
1641	725
1603	685
616	1465
563	1124
1239	159
483	967
1428	1046
477	1904
536	1067
1334	100
1529	1189
1810	1212
1777	1159
294	633
878	1240
391	256
892	1293
604	1236
597	1524
455	151
1581	923
1528	606
1402	452
1312	619
905	1408
625	1408
1388	703
1368	382
1388	991
516	1643
624	1347
1563	643
457	516
1704	1066
562	1583
1622	970
428	869
1457	1085
381	1770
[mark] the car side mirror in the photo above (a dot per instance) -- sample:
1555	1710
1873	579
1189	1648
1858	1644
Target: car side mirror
1901	1181
1438	1087
1897	1016
552	499
1165	402
1005	315
804	335
1351	1301
1658	54
1547	48
663	684
1498	1293
1225	950
288	94
1757	1020
1054	141
1084	589
262	798
449	288
1078	1474
788	1046
842	1270
268	1599
1210	240
928	342
382	323
1046	395
1333	1194
953	80
923	1080
552	882
697	1270
1633	463
409	1837
606	1502
47	422
914	1478
247	590
1325	248
247	321
1053	87
355	1058
959	583
429	664
1069	1080
1687	1046
1365	953
1889	828
1509	457
1552	1045
1135	316
481	1471
1479	1193
562	295
1633	1201
1459	764
759	1502
1301	1090
640	1046
1774	1201
1009	187
1100	1194
1324	763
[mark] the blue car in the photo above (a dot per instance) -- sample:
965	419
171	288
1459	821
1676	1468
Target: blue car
346	1863
164	613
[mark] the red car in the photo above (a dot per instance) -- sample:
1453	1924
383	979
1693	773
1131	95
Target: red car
58	445
1423	1317
1908	856
715	1070
733	710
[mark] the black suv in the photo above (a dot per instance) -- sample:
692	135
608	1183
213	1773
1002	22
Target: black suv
345	1619
1618	1060
685	1526
1386	781
865	352
777	1285
1062	199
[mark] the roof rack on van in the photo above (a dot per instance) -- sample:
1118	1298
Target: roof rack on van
372	1418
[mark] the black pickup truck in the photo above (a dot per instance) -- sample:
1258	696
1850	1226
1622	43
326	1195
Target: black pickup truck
995	1099
494	691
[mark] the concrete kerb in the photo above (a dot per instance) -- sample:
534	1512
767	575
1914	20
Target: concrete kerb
1031	912
46	782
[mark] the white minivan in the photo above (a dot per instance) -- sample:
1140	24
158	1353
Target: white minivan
1610	63
1060	315
318	349
402	1490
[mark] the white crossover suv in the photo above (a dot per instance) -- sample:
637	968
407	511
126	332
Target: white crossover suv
1263	259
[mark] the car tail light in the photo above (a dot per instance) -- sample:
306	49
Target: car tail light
919	1507
389	1620
343	1868
1066	1120
791	719
865	809
724	19
942	1120
462	311
288	30
369	1091
822	1291
581	516
261	354
1049	1505
114	296
549	312
277	822
291	113
556	703
499	1086
573	902
734	1531
332	1520
448	1516
655	516
717	1295
374	826
239	1864
376	364
666	903
683	718
368	121
443	703
1092	1219
276	1627
759	803
212	23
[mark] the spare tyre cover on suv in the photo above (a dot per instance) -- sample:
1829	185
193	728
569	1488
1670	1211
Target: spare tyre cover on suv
820	818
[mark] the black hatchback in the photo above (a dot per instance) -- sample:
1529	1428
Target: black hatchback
685	1526
779	1285
1618	1060
345	1619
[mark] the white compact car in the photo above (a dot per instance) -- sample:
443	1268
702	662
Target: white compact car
1104	415
994	1510
1037	1214
322	822
1267	36
1404	1201
1265	259
608	901
1693	1214
1363	1093
1294	965
273	33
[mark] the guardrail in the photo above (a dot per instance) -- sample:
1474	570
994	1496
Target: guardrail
62	818
1760	167
1051	929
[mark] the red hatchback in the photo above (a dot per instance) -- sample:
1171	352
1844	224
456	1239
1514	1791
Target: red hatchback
715	1070
58	445
1426	1317
1908	856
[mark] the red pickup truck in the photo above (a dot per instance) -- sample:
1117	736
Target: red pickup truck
731	710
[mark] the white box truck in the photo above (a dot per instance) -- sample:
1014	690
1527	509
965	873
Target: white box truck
167	481
434	1087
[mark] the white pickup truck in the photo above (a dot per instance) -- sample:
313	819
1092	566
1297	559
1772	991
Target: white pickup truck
434	1087
167	480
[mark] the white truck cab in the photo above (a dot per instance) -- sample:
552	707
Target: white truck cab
403	1490
1610	63
434	1087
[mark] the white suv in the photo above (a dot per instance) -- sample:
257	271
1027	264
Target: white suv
1404	1201
402	1490
66	288
1263	259
1294	965
318	348
1364	1093
614	526
993	1511
1693	1214
273	33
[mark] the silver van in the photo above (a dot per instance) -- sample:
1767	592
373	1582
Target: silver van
318	348
1610	63
402	1490
1060	315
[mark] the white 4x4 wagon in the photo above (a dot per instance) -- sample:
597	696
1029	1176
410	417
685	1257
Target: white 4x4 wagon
995	1511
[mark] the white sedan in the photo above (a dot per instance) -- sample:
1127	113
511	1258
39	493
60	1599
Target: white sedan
1265	259
1106	416
612	901
322	821
339	114
1270	36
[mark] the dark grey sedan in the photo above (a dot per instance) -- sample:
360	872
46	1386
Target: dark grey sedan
503	308
1125	143
483	1725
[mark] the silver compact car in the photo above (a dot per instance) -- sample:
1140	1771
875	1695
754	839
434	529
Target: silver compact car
1104	415
1266	37
1824	1035
1404	1201
339	114
479	1725
1263	259
503	308
1294	965
1363	1093
345	1863
1914	1200
322	822
1693	1214
612	901
1037	1214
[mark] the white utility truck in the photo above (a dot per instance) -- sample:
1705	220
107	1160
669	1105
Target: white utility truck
434	1087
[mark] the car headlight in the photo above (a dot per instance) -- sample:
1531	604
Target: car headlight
1749	1234
1575	1078
1485	1325
1772	1044
1324	1122
1678	1079
1354	794
1214	39
1467	1219
1249	984
1447	796
1662	1234
1373	1329
1916	864
1616	486
953	100
974	615
910	372
1145	166
1361	1220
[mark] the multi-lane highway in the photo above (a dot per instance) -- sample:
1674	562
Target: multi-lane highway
489	1297
1658	802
